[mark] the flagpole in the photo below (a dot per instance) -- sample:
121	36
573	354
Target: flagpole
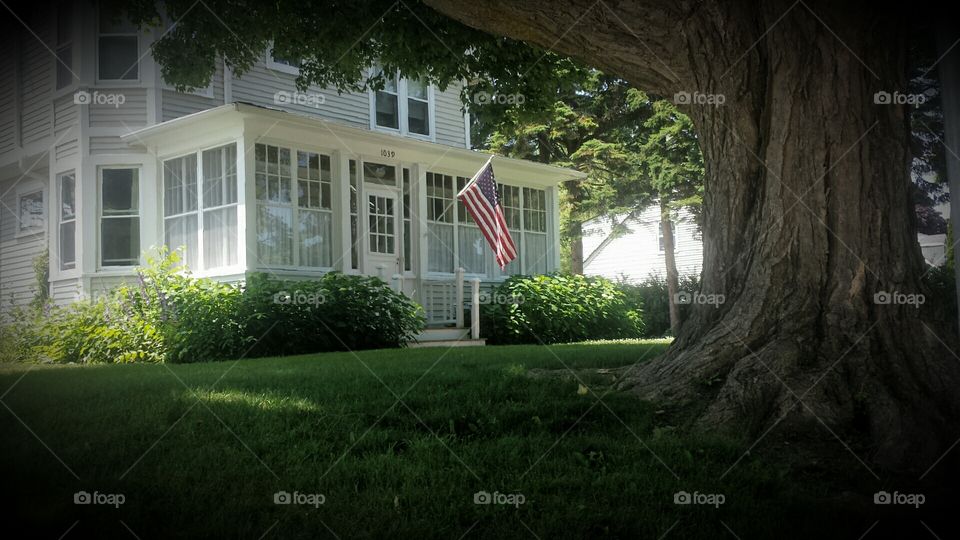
475	175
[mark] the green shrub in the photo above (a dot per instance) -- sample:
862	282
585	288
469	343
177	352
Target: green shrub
334	312
558	308
651	294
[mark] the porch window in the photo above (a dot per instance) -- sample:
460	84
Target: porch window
315	215
180	208
535	230
512	212
440	228
274	205
118	51
67	220
472	247
202	218
294	228
219	202
354	217
407	227
119	216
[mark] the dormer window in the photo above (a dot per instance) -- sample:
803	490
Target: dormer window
405	106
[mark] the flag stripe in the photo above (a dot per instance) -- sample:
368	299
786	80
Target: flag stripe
481	200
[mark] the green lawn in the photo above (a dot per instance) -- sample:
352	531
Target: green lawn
200	450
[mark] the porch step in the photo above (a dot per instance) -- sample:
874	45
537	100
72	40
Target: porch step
446	337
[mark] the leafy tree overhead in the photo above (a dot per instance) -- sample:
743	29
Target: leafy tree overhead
807	215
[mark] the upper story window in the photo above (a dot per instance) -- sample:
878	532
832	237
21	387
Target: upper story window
405	106
285	64
118	49
64	44
119	216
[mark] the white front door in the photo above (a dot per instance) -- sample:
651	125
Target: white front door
383	232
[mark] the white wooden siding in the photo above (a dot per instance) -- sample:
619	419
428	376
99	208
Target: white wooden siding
17	278
176	104
636	255
36	81
449	121
65	291
8	93
131	114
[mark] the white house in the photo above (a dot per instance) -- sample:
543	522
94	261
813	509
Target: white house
638	252
100	160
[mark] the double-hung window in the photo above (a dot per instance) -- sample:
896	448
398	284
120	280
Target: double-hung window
512	214
119	216
314	210
404	105
274	206
472	247
200	215
67	220
118	50
31	214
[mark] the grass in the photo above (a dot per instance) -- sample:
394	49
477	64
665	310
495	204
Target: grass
200	450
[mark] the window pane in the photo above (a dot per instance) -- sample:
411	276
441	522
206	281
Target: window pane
220	176
220	237
387	110
536	253
120	192
181	234
418	117
376	173
417	89
120	241
31	212
440	247
472	248
118	58
67	196
68	243
275	235
180	185
110	23
316	236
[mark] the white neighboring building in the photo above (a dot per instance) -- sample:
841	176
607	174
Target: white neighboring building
638	253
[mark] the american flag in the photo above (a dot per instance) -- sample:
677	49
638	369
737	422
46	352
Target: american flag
480	198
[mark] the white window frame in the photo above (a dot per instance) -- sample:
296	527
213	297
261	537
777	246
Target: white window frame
116	82
294	206
31	188
61	221
100	216
276	65
403	112
195	212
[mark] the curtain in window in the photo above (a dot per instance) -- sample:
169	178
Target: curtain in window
275	235
537	254
316	232
220	237
440	247
181	234
472	249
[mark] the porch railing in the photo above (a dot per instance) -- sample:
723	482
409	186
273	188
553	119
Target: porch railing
444	301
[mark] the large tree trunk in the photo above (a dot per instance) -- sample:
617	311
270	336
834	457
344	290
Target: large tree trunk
670	261
807	214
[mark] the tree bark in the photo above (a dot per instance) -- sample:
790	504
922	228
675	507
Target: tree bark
807	214
670	261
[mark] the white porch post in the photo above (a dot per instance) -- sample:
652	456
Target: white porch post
418	222
553	194
341	210
475	308
247	199
459	303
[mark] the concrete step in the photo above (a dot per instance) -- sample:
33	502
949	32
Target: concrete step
448	343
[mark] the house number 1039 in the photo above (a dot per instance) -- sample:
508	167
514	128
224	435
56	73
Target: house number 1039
387	153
